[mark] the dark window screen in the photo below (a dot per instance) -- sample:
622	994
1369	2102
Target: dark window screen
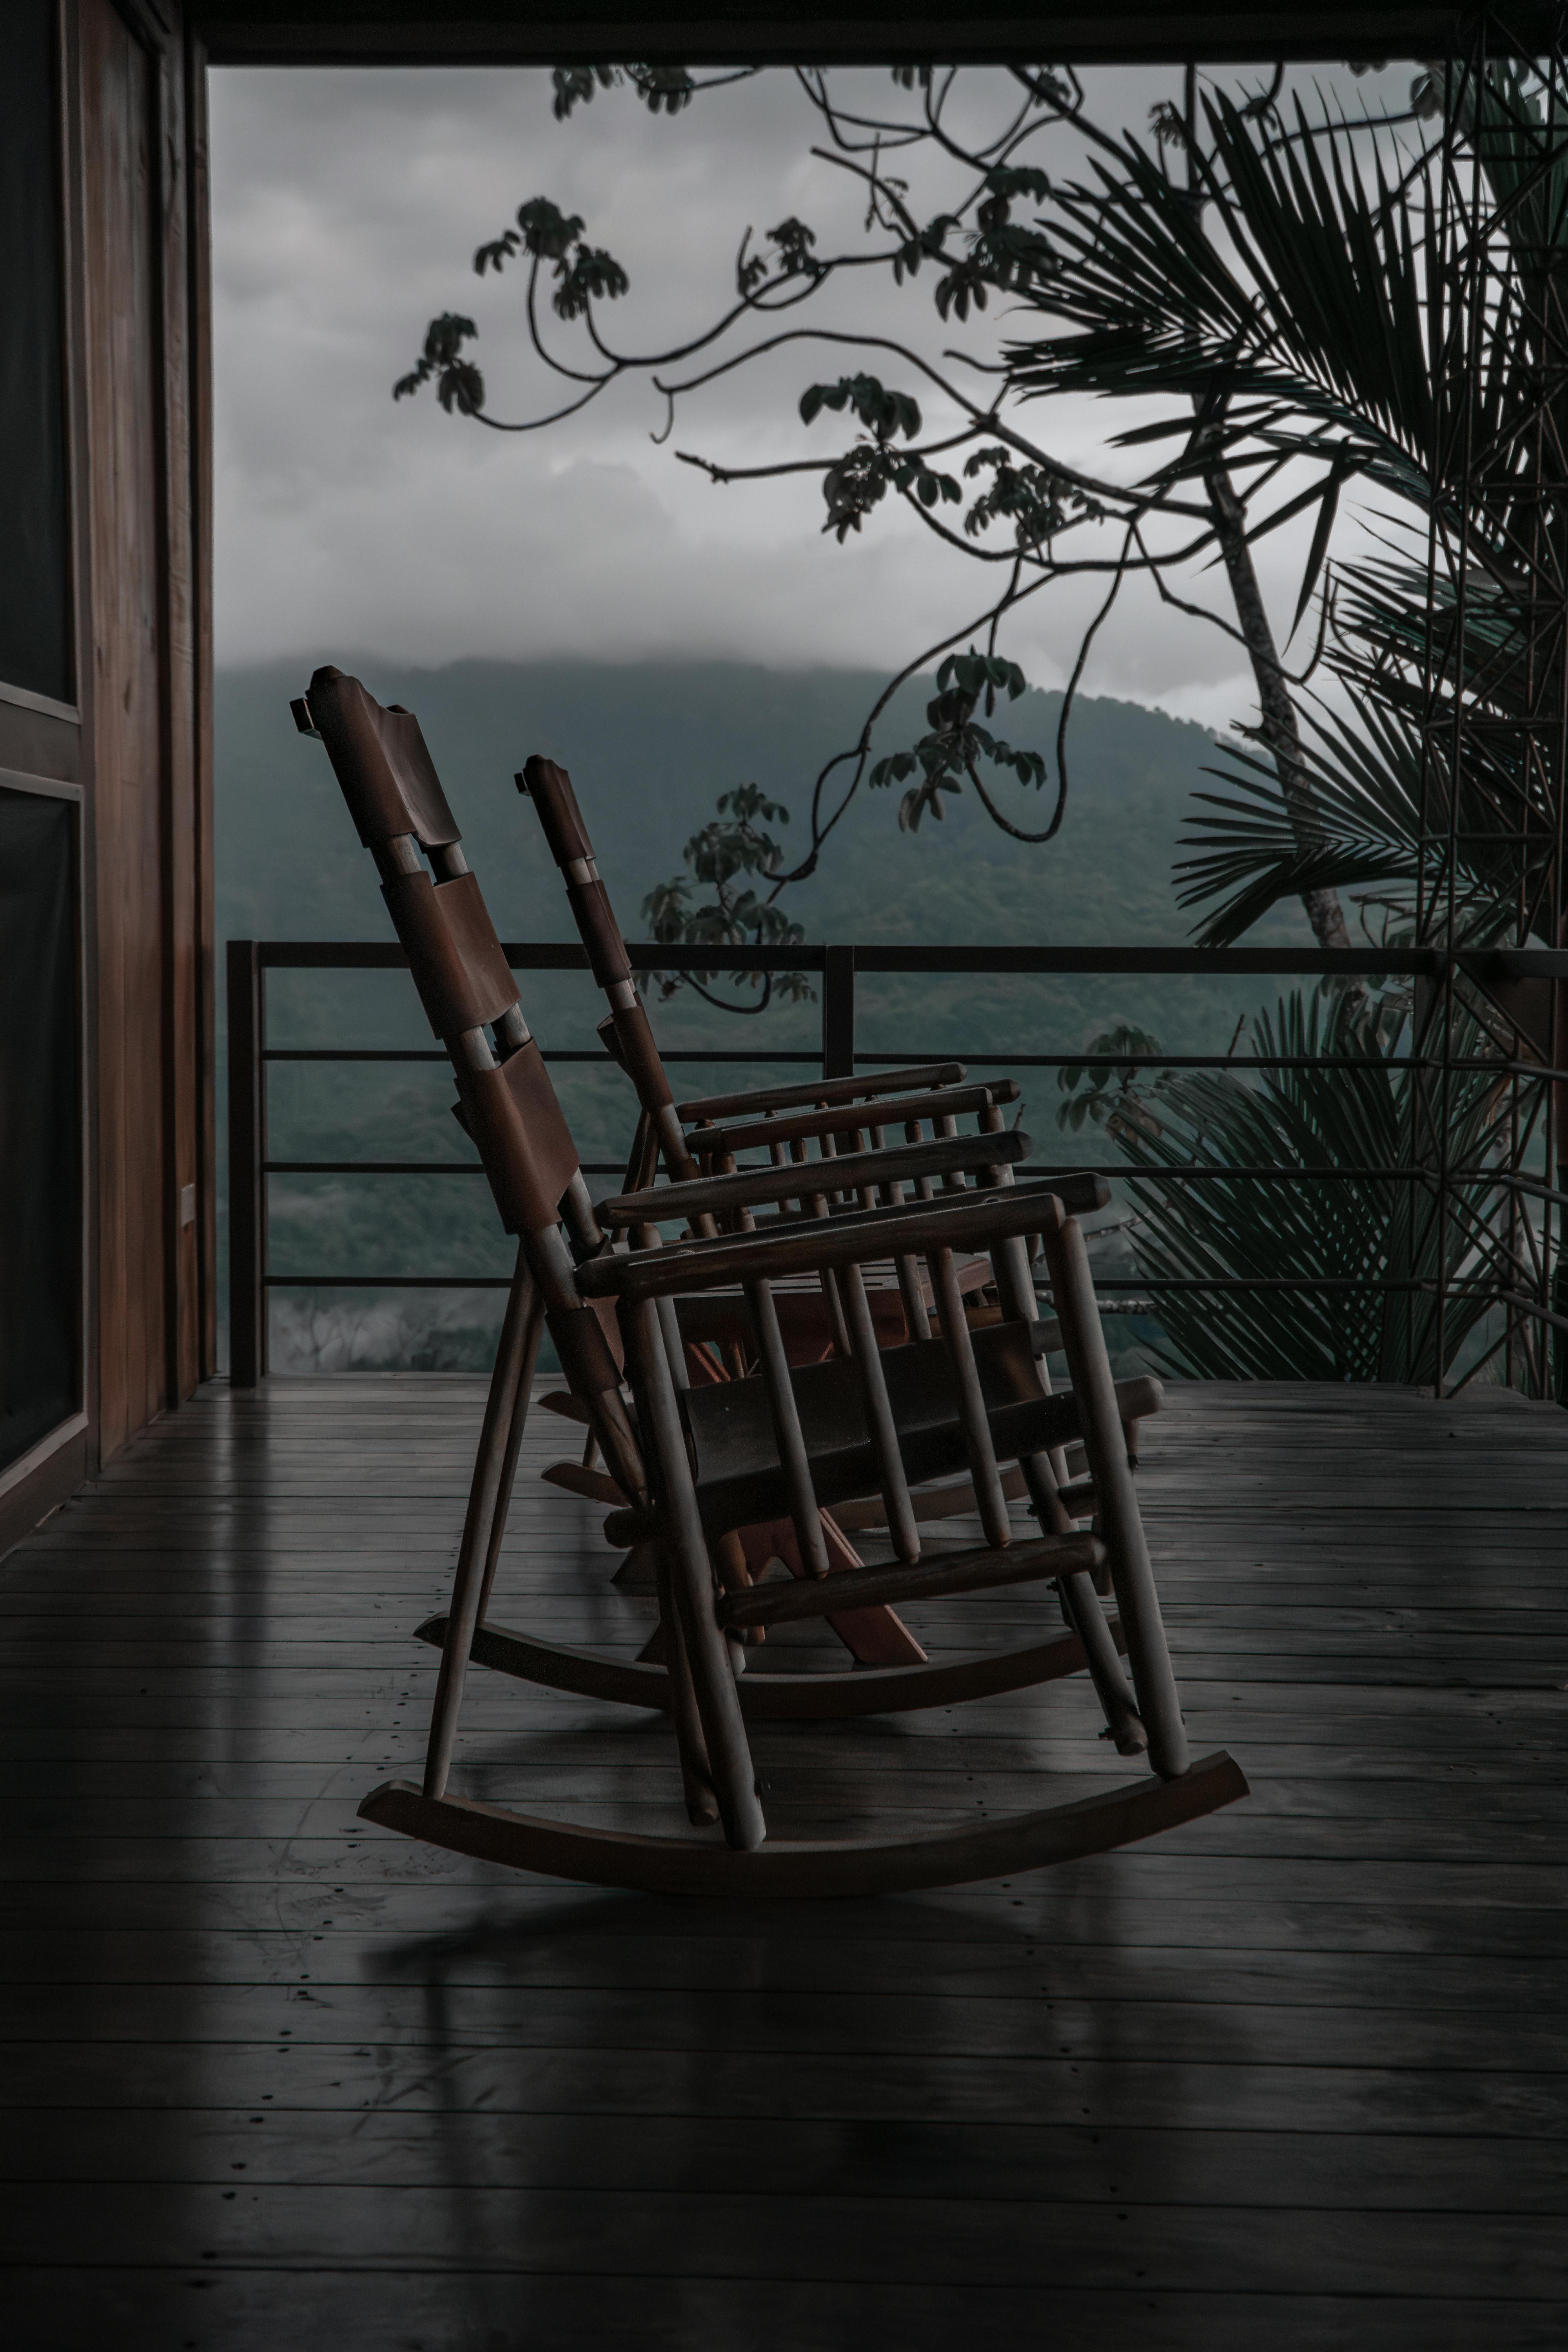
40	1146
35	632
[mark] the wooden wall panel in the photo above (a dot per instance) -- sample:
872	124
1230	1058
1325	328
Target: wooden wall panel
137	409
128	734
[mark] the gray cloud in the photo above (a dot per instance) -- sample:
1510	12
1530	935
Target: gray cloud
347	207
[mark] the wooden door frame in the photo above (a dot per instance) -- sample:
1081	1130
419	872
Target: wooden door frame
55	743
183	462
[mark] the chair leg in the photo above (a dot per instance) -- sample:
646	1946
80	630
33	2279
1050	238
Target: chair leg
1044	1474
1116	1501
483	1524
691	1579
1082	1608
521	1400
902	1532
786	1427
696	1772
989	1499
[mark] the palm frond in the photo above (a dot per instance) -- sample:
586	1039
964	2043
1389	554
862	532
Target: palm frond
1321	316
1362	780
1364	1251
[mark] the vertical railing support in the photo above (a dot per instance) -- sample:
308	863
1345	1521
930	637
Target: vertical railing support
838	1013
247	1151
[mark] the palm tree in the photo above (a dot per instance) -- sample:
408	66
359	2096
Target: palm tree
1340	325
1356	319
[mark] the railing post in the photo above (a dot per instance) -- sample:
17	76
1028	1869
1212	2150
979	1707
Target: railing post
247	1149
838	1013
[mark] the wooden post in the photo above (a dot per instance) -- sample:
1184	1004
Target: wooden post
838	1013
247	1149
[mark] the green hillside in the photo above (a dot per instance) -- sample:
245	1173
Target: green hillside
649	747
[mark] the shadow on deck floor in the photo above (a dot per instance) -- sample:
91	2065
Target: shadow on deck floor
1292	2076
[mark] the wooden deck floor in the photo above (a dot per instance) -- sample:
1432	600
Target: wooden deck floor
1289	2077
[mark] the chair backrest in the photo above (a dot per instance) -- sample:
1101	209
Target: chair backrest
626	1031
628	1035
506	1099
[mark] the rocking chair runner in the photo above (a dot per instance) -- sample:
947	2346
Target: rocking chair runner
698	1463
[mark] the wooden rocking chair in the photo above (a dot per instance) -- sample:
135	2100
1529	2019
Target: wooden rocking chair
837	1115
389	779
841	1116
386	775
700	1464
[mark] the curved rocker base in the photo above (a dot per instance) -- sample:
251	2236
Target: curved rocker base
806	1869
773	1698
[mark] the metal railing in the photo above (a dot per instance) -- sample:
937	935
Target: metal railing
1524	1280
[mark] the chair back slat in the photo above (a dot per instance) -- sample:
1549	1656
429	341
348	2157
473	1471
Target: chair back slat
600	932
638	1056
460	968
549	787
464	981
626	1032
520	1133
387	776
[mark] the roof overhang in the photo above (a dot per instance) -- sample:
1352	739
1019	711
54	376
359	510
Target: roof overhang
818	32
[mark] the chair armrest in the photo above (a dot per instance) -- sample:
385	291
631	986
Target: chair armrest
825	1091
799	1179
1090	1189
969	1220
952	1102
1082	1191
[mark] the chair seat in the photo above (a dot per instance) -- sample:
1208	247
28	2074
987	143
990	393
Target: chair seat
721	1318
738	1476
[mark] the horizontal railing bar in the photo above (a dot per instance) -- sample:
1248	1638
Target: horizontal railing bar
535	955
1263	1282
569	955
371	1168
1082	1057
1423	1284
1085	1059
386	1282
411	1168
1152	1284
331	955
1189	1173
554	1054
1068	961
1193	1172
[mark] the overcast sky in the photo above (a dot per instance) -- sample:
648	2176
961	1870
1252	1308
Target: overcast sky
347	205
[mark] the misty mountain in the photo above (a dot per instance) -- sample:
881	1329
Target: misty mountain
650	746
